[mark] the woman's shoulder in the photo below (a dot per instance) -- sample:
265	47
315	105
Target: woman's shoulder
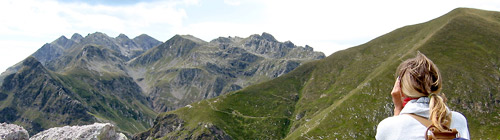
397	120
393	120
459	122
395	127
457	116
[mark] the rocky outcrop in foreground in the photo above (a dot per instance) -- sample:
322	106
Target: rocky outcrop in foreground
94	131
13	132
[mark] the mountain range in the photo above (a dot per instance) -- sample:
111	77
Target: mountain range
126	82
345	95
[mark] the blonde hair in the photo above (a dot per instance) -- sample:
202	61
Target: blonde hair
420	77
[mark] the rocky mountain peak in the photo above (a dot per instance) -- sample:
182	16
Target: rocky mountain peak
268	37
309	48
125	42
28	65
176	46
122	37
97	35
146	41
99	39
289	44
143	36
76	37
192	38
221	40
226	40
268	46
102	39
61	40
263	37
31	62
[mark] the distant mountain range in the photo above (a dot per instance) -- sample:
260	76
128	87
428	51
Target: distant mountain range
346	95
125	81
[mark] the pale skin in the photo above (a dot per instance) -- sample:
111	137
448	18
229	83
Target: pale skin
397	97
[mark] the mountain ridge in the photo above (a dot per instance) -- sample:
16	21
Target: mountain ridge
126	81
228	65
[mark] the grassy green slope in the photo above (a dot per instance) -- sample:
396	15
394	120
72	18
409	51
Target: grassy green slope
346	94
451	41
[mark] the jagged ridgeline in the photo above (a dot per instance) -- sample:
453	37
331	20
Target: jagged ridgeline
186	69
346	95
125	81
77	81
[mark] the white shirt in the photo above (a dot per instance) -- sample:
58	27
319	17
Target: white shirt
408	128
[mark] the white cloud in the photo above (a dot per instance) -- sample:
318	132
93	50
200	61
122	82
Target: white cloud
331	23
25	25
40	18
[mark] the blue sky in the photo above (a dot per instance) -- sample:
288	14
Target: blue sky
326	25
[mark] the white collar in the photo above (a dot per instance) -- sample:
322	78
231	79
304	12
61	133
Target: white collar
418	107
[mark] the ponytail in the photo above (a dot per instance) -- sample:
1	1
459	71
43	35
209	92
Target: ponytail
420	78
439	114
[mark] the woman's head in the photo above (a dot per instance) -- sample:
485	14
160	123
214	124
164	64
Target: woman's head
420	77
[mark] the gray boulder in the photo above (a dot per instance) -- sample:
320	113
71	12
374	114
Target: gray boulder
13	132
94	131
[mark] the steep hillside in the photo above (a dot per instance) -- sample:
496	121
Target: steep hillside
346	95
36	98
186	69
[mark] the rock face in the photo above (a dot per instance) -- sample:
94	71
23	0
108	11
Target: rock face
96	131
13	132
